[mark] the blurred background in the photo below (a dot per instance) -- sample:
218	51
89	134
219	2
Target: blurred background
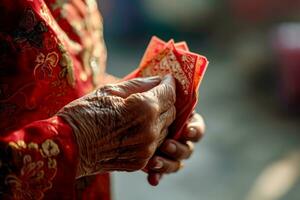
250	96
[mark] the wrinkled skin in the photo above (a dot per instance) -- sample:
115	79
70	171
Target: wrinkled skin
119	126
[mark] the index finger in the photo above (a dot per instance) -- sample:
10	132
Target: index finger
164	93
137	85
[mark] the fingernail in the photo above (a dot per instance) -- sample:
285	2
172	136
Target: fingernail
192	132
171	148
158	164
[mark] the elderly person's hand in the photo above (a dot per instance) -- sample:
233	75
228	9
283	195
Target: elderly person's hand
120	126
171	153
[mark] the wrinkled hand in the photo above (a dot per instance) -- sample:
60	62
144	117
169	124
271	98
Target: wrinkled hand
120	126
172	152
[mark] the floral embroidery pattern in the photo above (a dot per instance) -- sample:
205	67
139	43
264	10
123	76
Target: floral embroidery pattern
45	65
188	63
37	169
49	149
30	31
166	63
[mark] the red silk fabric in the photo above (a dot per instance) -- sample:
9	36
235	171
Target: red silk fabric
51	52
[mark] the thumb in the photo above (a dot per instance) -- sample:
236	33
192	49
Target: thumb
137	85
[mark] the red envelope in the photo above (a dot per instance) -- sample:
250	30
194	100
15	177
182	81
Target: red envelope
188	68
182	45
154	47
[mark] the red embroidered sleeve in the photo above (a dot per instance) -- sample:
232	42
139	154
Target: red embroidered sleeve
38	161
49	53
38	158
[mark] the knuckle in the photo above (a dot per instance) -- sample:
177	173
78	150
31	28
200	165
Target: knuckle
106	89
148	151
145	103
136	102
170	92
140	164
150	137
153	109
150	108
145	155
166	95
133	101
138	98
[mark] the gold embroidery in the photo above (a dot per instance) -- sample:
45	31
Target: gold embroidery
32	145
61	35
49	148
89	28
45	14
165	63
67	66
43	68
35	176
189	62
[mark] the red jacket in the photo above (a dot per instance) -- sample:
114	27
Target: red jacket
51	52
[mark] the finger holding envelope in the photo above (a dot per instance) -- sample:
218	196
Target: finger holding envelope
175	151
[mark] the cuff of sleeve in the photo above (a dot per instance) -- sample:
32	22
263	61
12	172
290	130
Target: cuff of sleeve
67	160
39	161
